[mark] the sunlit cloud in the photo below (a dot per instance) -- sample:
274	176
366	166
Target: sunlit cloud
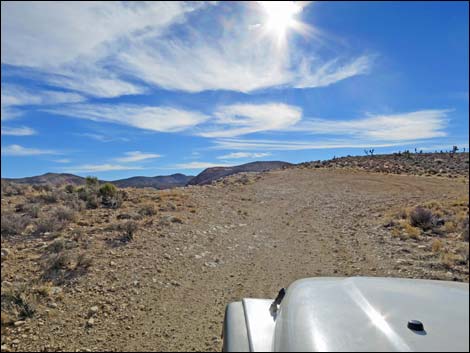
136	156
162	119
421	124
282	145
200	165
95	54
241	119
18	131
20	151
62	160
94	168
239	155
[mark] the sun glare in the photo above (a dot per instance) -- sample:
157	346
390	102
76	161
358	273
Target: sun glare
280	17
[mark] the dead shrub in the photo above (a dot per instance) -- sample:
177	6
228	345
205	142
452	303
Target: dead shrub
64	213
49	225
129	228
148	209
18	302
421	217
13	224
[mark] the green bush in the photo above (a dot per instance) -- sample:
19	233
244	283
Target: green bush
108	190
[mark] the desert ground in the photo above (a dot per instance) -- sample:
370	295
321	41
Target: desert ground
156	273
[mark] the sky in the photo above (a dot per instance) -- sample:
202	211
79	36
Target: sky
117	89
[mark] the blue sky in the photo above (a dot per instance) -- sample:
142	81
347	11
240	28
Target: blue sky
118	89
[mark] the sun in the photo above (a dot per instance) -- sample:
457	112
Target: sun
280	17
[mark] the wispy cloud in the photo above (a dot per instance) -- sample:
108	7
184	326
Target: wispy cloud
15	96
241	119
18	131
136	156
163	119
282	145
200	165
239	155
20	151
103	138
95	168
62	160
74	57
94	53
421	124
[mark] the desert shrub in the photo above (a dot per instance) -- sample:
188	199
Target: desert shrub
13	224
436	245
42	187
32	210
69	188
11	189
92	202
129	228
57	245
108	190
465	229
421	217
19	301
413	232
49	225
64	213
83	262
112	201
48	197
148	209
91	182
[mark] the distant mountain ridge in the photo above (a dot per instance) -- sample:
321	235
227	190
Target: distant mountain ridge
207	176
210	174
159	182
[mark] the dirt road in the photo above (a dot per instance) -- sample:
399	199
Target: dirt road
167	290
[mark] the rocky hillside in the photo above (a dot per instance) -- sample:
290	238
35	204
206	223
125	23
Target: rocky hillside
211	174
54	179
157	182
427	164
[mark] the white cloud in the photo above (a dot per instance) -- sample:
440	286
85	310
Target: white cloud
63	160
93	168
282	145
163	119
200	165
240	119
18	131
136	156
71	41
20	151
103	138
14	96
238	155
102	48
421	124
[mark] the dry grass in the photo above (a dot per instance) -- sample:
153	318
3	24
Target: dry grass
436	245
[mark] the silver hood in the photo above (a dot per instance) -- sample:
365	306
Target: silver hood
361	314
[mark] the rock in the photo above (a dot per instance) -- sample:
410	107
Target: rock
52	305
93	310
112	263
19	323
16	341
90	322
166	256
5	252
